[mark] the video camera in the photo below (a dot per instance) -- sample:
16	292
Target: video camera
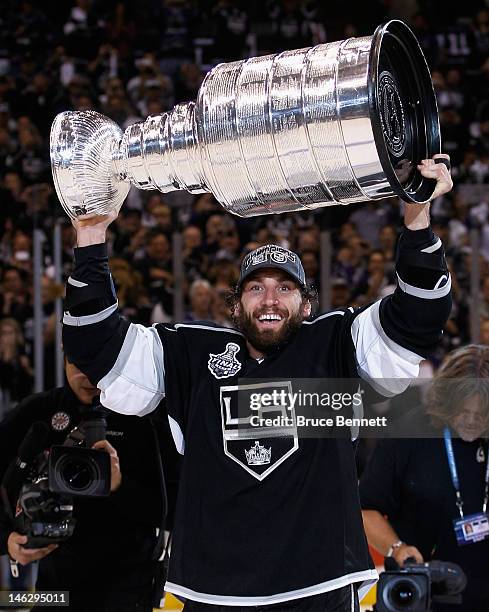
415	586
41	485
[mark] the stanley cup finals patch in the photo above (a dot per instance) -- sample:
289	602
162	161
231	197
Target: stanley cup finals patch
224	365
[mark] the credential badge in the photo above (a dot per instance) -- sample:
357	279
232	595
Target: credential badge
224	365
60	421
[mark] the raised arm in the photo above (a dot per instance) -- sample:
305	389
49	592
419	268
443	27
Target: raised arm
394	335
124	360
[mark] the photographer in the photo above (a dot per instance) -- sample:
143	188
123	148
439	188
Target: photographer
107	563
430	514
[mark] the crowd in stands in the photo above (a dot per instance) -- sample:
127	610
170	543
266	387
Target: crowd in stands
132	59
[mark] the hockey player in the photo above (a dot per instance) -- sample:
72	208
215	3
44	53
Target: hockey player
266	519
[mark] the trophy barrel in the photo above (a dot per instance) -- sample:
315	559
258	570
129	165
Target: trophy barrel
338	123
84	156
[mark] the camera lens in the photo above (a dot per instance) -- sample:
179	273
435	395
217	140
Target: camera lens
78	474
403	594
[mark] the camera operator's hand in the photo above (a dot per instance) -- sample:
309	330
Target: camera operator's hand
115	468
24	556
404	551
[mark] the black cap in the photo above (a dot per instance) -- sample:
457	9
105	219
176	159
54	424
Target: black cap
273	256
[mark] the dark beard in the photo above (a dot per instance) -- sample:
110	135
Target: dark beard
268	342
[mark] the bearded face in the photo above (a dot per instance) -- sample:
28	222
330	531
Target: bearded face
268	340
271	310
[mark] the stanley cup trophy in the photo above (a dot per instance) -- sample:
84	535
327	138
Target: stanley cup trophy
337	123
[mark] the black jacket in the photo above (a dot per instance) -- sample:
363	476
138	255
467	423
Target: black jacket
409	481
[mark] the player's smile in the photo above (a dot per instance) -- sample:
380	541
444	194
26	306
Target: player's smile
270	320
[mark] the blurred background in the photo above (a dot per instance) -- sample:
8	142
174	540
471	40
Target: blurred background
128	60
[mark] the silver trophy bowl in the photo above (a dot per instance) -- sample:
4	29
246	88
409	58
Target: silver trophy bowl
337	123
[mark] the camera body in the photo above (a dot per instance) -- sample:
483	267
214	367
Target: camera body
45	518
45	505
408	588
79	472
413	587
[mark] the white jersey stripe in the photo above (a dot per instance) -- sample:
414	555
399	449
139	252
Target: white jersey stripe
89	319
367	578
432	248
177	435
324	316
426	294
76	283
209	328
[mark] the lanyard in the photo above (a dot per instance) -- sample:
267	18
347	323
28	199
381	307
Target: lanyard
454	474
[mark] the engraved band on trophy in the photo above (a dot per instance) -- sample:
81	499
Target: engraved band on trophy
337	123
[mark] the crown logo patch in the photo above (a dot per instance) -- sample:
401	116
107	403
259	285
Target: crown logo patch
258	454
223	365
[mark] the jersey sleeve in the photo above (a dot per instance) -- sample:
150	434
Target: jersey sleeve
125	361
392	336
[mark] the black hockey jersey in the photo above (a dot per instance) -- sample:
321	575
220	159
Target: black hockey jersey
265	518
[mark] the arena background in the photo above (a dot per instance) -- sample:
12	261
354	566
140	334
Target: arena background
132	59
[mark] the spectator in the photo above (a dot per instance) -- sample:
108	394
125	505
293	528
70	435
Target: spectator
188	82
311	267
484	303
220	308
155	268
376	278
130	234
370	218
14	296
201	298
29	159
481	33
232	26
223	273
15	370
294	25
133	299
484	332
193	258
177	24
340	293
162	217
420	504
82	30
214	231
387	244
36	102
